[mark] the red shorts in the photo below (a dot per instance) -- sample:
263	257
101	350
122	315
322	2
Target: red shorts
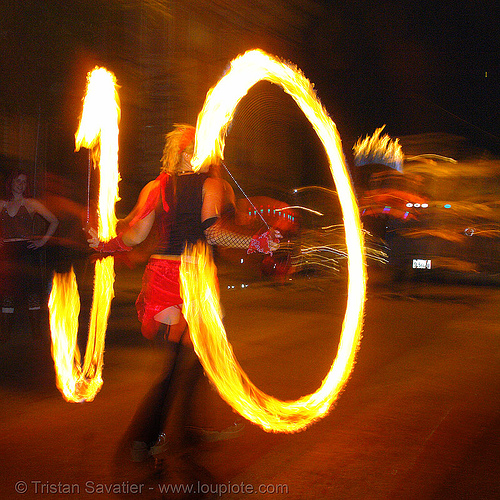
160	290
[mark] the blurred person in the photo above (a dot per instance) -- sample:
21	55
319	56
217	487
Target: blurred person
20	251
69	246
186	207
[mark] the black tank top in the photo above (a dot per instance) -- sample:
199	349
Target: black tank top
181	225
18	226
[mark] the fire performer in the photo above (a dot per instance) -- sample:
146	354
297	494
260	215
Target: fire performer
186	207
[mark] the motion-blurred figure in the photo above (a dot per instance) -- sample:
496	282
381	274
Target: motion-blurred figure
69	245
186	207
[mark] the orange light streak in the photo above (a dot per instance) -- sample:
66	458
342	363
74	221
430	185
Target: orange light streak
198	280
98	127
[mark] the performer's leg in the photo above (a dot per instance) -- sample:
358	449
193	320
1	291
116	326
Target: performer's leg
178	405
182	370
149	420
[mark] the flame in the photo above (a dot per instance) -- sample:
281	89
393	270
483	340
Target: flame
98	127
198	282
376	149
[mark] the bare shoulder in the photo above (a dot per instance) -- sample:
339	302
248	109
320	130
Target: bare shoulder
35	206
32	203
213	184
213	181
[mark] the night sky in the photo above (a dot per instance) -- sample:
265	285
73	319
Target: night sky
415	66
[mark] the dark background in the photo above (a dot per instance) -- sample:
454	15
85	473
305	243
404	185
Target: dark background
417	67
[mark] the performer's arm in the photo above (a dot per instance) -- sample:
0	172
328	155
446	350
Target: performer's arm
139	231
135	214
220	231
132	234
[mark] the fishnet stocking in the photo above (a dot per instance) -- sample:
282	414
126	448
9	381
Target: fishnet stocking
217	234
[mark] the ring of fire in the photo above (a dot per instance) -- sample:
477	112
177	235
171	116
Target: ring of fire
198	274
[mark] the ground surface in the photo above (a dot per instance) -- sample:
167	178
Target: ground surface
419	418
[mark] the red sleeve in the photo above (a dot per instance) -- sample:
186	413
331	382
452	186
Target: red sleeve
149	200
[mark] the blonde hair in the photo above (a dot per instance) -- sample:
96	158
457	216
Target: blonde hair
177	141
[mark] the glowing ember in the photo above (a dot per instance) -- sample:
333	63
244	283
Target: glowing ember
201	300
98	125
